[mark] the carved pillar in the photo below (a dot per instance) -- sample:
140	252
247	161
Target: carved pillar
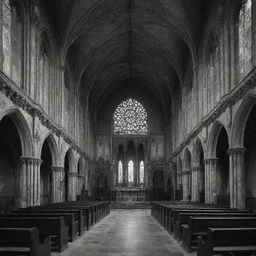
58	184
237	178
196	177
72	181
211	181
30	182
185	184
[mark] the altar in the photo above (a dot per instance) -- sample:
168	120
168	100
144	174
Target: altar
130	194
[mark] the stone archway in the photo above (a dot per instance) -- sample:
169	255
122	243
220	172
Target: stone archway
16	151
248	170
158	185
10	152
217	171
46	175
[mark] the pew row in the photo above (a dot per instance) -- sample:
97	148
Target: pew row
23	241
53	227
198	226
240	241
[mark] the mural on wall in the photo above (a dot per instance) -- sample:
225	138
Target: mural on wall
157	148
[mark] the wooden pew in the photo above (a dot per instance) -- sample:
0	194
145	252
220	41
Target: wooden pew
97	210
77	213
53	227
23	241
86	212
69	219
198	226
170	213
183	217
227	240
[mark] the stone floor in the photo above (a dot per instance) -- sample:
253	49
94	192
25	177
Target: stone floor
126	233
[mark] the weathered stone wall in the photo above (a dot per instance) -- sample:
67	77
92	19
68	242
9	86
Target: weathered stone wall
41	93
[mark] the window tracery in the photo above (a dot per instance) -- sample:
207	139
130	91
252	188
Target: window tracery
130	118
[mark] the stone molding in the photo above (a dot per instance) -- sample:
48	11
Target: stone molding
229	100
211	160
237	151
18	97
72	174
188	171
30	160
196	169
57	169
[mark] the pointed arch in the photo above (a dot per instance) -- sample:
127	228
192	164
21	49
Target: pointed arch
49	138
240	120
213	139
197	151
23	128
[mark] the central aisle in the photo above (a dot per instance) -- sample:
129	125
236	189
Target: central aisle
126	233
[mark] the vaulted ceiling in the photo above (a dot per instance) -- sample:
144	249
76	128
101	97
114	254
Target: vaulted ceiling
113	43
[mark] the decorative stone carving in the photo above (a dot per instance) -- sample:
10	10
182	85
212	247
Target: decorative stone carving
17	96
226	102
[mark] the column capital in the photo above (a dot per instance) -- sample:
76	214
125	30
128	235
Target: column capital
57	168
211	160
72	174
185	172
30	160
237	151
196	169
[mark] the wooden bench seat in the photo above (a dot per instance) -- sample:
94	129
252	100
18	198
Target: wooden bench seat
53	227
183	218
223	240
77	213
23	241
69	219
198	226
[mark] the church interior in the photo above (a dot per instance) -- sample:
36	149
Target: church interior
127	127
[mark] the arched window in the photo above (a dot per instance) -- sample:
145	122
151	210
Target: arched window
130	171
130	117
245	37
141	172
120	172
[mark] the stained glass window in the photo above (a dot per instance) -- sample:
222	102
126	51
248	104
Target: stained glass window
141	172
245	37
120	172
130	117
130	171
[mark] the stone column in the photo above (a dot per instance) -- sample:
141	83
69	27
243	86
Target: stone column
196	176
237	178
57	183
30	182
211	181
72	181
185	184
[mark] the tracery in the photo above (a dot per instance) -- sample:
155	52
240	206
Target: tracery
130	118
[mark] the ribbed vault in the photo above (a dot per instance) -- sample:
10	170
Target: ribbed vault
109	43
